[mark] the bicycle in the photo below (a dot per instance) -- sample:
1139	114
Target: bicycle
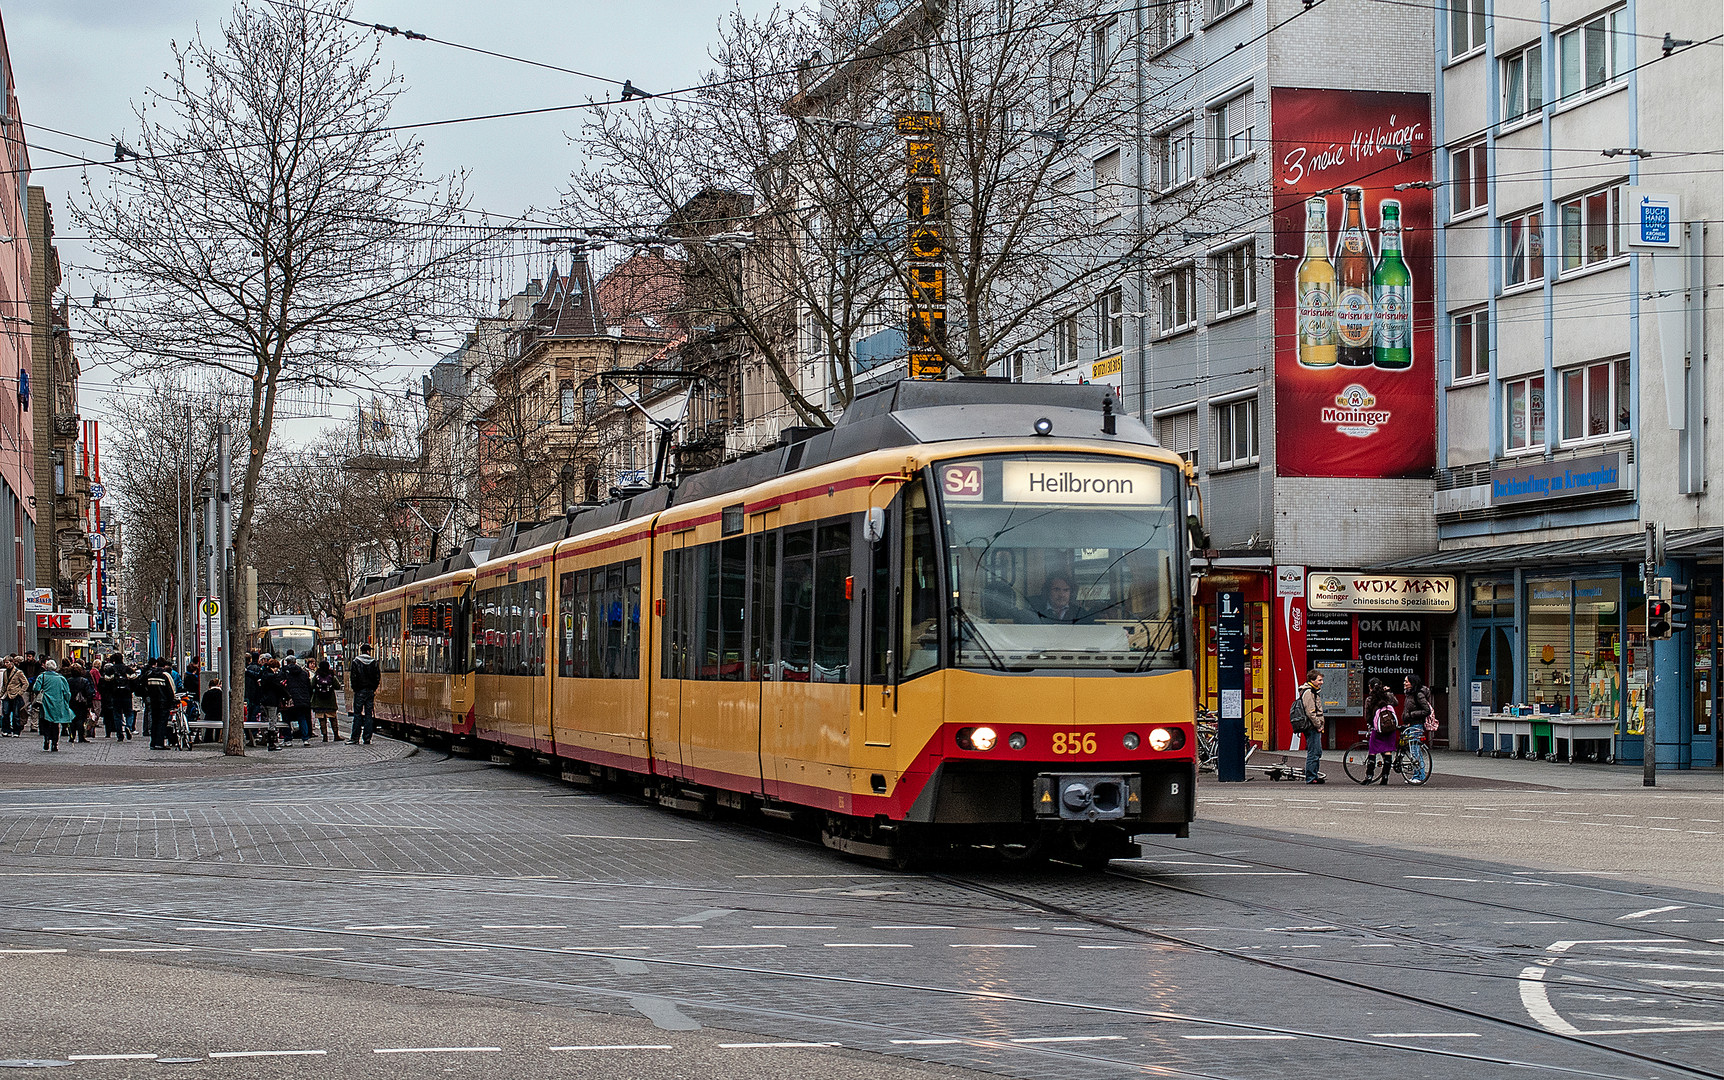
1412	757
180	727
1208	741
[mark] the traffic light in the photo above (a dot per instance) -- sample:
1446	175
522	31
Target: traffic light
1675	610
1666	615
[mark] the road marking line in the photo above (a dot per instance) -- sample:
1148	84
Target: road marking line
926	1042
797	926
524	926
640	839
26	952
222	929
161	948
820	877
110	1057
771	1045
867	945
969	945
661	926
438	1050
441	948
1533	922
393	926
1423	877
1070	1039
1651	911
618	1046
1230	873
1107	946
908	927
302	948
65	928
741	946
266	1053
1216	1037
1425	1035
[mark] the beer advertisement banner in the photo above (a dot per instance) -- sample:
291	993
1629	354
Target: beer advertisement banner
1355	315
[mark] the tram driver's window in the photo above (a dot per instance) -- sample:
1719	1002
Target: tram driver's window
921	596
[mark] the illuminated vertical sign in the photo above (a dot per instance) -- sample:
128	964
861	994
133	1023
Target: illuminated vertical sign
925	204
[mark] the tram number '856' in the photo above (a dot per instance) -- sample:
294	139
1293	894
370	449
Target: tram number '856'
1074	742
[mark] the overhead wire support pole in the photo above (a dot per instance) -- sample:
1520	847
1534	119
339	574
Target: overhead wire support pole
233	678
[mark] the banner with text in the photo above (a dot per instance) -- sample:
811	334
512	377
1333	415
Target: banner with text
1355	312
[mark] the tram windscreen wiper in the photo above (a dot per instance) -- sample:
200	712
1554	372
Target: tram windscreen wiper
975	634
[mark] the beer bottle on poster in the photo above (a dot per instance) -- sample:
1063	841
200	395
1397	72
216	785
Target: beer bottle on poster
1353	297
1315	290
1392	294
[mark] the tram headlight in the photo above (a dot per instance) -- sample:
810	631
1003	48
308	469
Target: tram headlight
1044	426
977	738
1018	740
1130	740
1166	739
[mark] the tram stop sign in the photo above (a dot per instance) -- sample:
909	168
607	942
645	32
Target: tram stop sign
1230	682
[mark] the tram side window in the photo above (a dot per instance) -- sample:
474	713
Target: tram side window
831	606
672	646
763	606
921	597
533	627
796	606
601	619
389	639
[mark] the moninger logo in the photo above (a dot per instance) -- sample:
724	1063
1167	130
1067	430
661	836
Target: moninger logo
1354	415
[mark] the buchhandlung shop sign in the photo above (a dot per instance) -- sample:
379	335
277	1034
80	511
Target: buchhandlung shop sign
1542	481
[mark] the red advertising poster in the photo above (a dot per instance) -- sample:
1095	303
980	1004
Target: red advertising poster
1355	342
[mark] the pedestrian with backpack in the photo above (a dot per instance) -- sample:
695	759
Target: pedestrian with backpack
323	686
1309	724
1385	730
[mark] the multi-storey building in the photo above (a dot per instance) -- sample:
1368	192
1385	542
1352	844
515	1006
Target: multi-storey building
17	435
1574	395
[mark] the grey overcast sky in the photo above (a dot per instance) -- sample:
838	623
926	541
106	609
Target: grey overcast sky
81	64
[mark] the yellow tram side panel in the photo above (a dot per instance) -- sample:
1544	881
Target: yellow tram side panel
824	742
602	721
515	709
437	701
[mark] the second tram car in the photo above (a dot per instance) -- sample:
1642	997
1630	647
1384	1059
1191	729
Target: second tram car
958	618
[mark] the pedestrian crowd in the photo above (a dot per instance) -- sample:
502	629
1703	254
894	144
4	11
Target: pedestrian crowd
70	699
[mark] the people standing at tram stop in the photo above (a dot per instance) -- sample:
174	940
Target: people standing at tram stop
15	689
323	686
253	699
212	700
160	694
269	698
1419	709
56	702
296	687
362	680
83	694
123	689
1385	727
1311	700
191	684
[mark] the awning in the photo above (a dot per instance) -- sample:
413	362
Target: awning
1620	548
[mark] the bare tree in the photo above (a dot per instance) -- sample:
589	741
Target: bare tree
269	223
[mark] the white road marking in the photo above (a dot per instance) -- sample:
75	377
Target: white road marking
1421	877
819	877
771	1045
907	927
1231	873
618	1046
110	1057
797	926
639	839
1218	1037
266	1053
1651	911
741	946
1532	922
967	945
27	952
393	926
440	948
1071	1039
926	1042
303	948
66	928
160	948
438	1050
661	926
867	945
1715	953
222	929
1425	1035
524	926
1107	946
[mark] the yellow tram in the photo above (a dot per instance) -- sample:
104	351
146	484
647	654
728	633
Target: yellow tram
958	618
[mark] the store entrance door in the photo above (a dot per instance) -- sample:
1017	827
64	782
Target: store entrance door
1493	657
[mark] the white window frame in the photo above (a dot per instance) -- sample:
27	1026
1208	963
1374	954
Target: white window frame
1621	418
1172	23
566	403
1228	415
1232	135
1235	271
1062	74
1613	42
1582	207
1177	426
1526	383
1469	170
1066	342
1470	336
1176	147
1468	17
1104	49
1220	9
1528	106
1530	257
1109	193
1109	323
1169	284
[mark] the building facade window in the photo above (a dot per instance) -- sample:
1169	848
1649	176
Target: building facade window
566	403
1177	290
1066	342
1109	192
1103	50
1523	414
1471	344
1235	279
1523	82
1466	27
1109	323
1595	401
1230	129
1591	228
1175	147
1218	8
1062	68
1236	433
1178	432
1592	54
1523	249
1469	179
1172	22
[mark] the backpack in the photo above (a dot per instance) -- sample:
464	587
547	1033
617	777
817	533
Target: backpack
323	684
1297	717
1379	724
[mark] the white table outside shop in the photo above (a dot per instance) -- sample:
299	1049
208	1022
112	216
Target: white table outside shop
1497	725
1581	729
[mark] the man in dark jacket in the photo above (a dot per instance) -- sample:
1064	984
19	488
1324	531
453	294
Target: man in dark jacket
269	697
362	680
212	703
296	688
160	696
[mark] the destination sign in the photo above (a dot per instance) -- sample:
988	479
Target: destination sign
1082	482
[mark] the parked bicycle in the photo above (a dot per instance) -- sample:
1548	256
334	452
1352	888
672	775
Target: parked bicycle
1208	741
1412	758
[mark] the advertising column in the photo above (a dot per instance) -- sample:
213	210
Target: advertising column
1355	358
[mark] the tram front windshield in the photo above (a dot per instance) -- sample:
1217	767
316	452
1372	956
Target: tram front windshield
1064	562
300	641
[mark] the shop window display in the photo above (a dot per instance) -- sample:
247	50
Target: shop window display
1574	634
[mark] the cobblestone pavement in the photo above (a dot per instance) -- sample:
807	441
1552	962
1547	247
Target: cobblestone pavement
508	915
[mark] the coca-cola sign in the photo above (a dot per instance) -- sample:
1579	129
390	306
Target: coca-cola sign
1355	343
